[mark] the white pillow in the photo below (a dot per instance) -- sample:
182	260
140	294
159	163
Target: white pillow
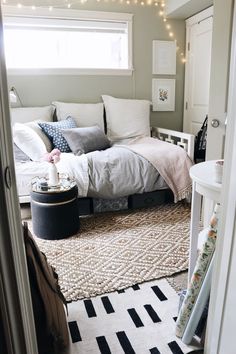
28	114
84	114
126	118
34	125
28	141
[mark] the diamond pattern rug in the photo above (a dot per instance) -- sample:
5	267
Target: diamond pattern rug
118	249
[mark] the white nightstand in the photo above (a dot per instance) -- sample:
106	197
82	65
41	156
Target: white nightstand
202	175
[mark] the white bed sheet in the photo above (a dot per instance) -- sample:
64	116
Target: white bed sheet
26	171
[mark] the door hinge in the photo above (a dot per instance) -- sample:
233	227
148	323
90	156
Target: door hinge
188	46
186	105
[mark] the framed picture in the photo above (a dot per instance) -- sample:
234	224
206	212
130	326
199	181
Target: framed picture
164	57
163	94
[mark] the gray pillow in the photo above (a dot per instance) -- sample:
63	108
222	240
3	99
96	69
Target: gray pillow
19	155
86	139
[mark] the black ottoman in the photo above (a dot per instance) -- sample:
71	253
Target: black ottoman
55	215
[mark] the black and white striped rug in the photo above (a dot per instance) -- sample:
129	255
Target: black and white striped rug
139	319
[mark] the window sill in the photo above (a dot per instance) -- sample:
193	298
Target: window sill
67	71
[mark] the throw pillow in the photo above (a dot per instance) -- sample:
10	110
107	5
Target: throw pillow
53	131
28	141
34	125
28	114
84	114
126	118
87	139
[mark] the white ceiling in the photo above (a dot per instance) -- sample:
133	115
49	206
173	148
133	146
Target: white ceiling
182	9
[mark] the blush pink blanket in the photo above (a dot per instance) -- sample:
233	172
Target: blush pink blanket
171	161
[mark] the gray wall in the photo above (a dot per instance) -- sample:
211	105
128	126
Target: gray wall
147	26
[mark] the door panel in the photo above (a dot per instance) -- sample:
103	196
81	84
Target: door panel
221	46
196	127
198	74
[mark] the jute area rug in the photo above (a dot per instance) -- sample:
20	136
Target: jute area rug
116	250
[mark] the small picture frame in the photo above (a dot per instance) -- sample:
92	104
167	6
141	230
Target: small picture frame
163	94
163	57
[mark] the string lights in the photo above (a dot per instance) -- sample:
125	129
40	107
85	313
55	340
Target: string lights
70	4
162	14
74	3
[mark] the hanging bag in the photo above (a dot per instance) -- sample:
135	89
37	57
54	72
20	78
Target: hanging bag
47	299
200	143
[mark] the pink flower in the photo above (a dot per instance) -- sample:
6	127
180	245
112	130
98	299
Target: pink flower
53	156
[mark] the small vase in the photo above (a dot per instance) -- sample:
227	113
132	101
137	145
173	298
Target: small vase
53	179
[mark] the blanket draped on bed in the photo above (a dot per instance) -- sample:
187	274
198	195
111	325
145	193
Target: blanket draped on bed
139	163
171	161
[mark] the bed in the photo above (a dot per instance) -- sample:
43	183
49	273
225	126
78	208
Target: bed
126	167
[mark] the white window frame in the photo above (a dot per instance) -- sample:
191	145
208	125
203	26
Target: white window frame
68	14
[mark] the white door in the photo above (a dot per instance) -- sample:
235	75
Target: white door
221	43
16	311
222	312
198	65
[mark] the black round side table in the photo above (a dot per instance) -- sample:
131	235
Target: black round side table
54	210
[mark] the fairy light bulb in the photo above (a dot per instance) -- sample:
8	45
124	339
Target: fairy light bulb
19	6
183	60
156	3
171	34
142	3
33	7
168	27
127	2
69	6
161	13
164	19
163	4
50	8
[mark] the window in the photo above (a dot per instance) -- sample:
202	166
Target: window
81	41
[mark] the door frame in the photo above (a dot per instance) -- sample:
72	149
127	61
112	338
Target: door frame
219	323
15	305
219	79
201	16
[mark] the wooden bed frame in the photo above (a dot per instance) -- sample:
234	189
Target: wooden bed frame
148	199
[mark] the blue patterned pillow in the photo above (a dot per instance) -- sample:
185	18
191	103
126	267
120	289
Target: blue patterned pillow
53	131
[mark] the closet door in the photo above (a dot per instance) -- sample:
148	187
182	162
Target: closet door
197	74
